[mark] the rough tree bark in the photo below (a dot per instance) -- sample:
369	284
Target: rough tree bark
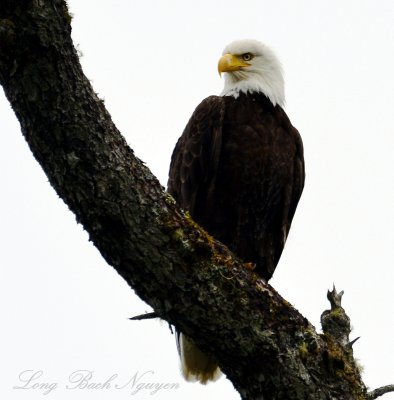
264	346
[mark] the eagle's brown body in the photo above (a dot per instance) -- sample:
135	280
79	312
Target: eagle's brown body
238	169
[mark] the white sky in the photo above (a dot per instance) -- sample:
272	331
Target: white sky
63	309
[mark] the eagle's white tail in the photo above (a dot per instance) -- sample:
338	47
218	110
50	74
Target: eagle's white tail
196	366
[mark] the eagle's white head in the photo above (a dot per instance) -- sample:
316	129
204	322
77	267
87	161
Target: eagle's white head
251	66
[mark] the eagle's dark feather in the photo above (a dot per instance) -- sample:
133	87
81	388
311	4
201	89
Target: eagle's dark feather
238	168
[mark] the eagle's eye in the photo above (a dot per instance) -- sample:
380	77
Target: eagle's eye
247	56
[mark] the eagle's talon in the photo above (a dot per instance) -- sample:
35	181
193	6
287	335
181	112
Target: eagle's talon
250	265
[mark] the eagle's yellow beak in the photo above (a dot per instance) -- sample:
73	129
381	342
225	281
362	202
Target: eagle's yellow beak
230	62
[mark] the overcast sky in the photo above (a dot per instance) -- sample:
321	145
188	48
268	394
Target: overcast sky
64	310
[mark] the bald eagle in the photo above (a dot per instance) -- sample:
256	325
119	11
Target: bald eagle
238	169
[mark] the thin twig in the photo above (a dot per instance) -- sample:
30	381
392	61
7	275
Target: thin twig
150	315
380	392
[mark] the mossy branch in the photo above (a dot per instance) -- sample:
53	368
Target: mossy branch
264	346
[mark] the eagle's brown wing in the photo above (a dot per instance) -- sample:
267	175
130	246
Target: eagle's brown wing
191	182
196	156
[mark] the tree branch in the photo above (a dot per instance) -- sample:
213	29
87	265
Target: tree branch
380	392
263	345
141	317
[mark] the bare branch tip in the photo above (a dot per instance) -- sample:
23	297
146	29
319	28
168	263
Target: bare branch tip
334	297
374	394
350	344
150	315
